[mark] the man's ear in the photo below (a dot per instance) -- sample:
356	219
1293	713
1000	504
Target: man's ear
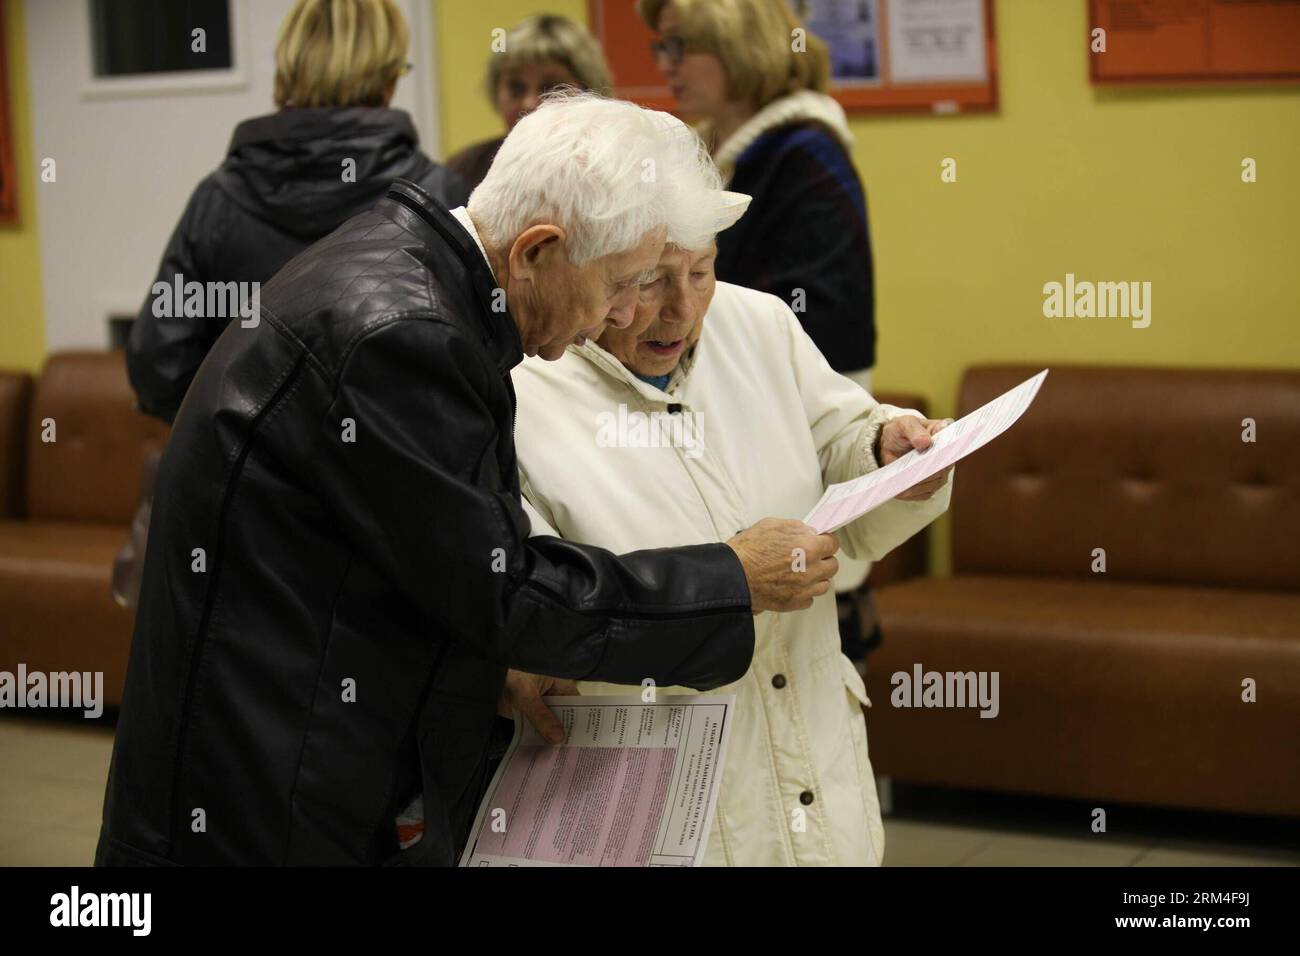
535	247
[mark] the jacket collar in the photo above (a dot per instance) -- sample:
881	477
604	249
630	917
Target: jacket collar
674	393
499	326
802	107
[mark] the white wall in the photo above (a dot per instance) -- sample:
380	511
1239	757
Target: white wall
127	164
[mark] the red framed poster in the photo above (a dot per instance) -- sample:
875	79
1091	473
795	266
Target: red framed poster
886	55
8	183
1195	41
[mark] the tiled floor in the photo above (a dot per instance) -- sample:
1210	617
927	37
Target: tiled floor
52	788
925	843
51	791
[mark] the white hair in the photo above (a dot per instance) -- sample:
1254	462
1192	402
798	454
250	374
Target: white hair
606	171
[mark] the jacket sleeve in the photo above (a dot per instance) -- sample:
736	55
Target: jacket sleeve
845	421
164	352
422	492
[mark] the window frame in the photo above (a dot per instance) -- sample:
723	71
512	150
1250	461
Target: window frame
164	84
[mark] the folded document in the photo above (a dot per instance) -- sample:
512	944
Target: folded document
633	784
850	500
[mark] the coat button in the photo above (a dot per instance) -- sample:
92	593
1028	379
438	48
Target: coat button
806	798
778	681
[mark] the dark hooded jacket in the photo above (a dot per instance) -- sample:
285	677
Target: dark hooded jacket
339	571
284	184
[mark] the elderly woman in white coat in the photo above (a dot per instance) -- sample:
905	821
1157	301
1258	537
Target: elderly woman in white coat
711	410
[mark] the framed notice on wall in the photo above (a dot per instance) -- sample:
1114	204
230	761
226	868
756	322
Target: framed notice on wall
8	183
1195	41
886	55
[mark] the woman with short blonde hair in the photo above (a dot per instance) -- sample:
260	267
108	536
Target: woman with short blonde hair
538	55
340	53
755	42
756	79
289	178
548	38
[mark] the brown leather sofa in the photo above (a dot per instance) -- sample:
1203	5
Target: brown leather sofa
1124	685
65	510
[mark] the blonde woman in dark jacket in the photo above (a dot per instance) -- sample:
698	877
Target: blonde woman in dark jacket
778	137
291	177
329	152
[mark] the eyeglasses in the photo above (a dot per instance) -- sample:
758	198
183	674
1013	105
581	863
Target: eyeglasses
672	48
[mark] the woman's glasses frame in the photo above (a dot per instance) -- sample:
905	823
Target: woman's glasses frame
671	48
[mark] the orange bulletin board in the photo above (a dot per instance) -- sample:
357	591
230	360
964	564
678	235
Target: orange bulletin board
1196	41
8	185
888	55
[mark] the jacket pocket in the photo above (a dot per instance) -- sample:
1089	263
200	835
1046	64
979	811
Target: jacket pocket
853	681
857	699
113	852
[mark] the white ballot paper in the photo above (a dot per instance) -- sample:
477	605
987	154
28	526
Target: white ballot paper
850	500
633	784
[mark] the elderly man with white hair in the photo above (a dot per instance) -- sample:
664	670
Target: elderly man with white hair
339	569
731	412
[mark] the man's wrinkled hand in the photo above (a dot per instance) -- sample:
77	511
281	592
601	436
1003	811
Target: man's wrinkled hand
787	564
907	433
524	692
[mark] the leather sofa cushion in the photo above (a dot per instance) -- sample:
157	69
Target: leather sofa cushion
15	399
55	603
1107	690
92	472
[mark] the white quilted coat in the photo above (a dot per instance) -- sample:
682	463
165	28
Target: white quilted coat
776	425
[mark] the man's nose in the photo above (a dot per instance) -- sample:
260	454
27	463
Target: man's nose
622	309
621	316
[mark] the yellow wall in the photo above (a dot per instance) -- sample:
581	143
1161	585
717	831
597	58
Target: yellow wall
1107	184
464	31
22	323
22	327
1064	178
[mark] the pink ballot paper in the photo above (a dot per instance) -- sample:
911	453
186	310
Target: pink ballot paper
633	784
850	500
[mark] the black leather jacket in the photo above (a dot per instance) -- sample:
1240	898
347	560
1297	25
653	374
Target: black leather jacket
283	185
348	469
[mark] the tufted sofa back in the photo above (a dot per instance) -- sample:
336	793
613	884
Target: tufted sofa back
1146	463
91	471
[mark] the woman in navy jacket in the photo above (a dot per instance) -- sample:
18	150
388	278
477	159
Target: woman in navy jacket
778	137
739	67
